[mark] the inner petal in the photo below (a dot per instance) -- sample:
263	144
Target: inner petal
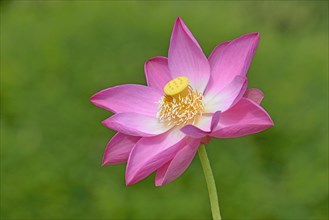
181	104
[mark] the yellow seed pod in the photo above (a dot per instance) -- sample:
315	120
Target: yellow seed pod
177	86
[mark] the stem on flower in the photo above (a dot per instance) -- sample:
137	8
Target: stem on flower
210	182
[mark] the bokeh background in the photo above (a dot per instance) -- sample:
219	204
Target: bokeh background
56	54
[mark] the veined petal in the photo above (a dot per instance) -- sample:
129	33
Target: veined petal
118	148
215	54
213	60
254	94
230	60
135	124
150	153
186	58
174	168
128	98
227	97
203	127
245	117
157	73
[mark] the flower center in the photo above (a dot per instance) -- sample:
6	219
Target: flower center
181	104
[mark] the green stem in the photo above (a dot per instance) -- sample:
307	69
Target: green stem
210	182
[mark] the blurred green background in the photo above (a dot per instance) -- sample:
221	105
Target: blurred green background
56	54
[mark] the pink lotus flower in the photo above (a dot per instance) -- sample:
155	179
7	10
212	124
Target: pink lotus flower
188	100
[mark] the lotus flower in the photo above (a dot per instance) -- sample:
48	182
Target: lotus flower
188	100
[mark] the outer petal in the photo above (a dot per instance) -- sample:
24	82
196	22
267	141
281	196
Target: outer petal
157	73
149	154
118	149
228	96
136	124
128	98
185	57
232	60
203	127
174	168
246	117
254	94
213	60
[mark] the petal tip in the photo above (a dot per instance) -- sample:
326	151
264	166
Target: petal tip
150	60
256	35
128	183
253	34
128	180
179	23
104	163
179	19
105	122
158	183
93	99
161	182
156	58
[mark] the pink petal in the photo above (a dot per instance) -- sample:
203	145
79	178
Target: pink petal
227	97
215	54
254	94
149	154
230	60
203	127
118	148
136	124
157	73
128	98
185	57
213	60
174	168
246	117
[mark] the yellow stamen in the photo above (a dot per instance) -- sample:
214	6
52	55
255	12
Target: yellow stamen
181	104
